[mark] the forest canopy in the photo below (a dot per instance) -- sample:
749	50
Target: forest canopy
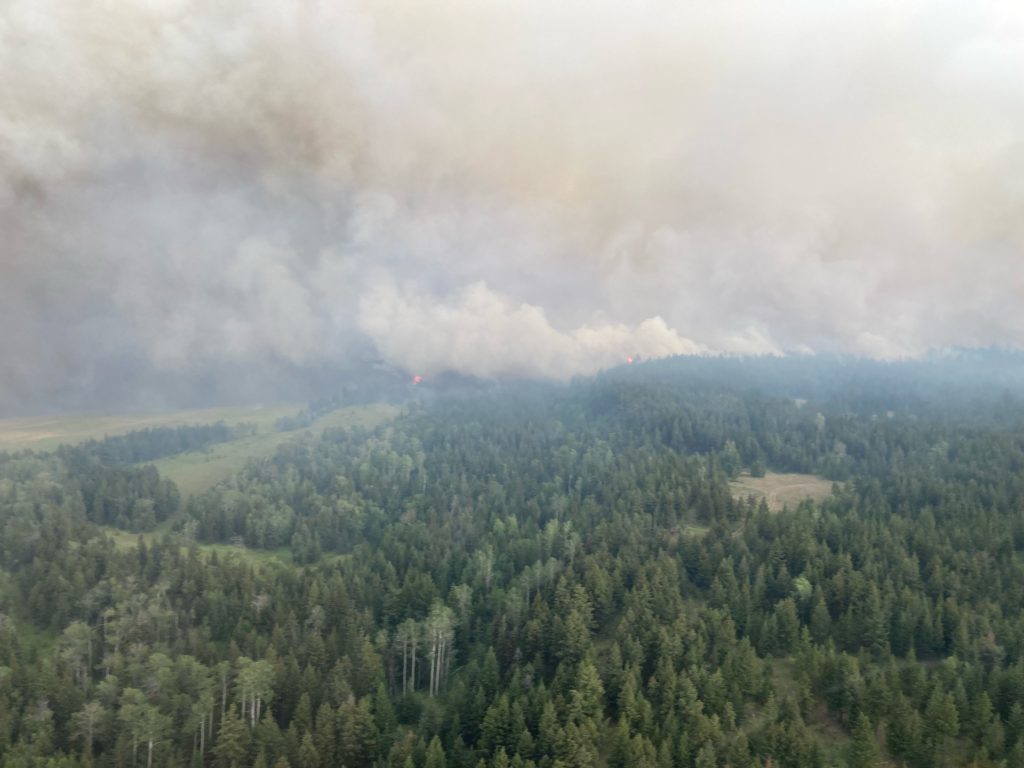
539	575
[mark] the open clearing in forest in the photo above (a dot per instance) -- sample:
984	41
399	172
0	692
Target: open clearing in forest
192	471
45	433
782	489
197	471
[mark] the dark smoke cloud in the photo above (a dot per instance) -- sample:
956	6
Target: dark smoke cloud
224	197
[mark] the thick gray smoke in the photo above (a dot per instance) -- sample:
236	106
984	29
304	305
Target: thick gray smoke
190	188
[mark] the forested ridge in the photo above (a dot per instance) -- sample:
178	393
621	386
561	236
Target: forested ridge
540	575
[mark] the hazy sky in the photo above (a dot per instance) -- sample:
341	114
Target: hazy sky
194	187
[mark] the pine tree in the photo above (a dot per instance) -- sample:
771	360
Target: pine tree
942	722
787	626
706	757
308	756
1017	753
500	759
863	750
232	747
549	730
587	696
358	735
435	755
874	625
323	737
303	717
267	736
384	716
496	729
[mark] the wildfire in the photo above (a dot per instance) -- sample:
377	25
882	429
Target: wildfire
416	379
629	360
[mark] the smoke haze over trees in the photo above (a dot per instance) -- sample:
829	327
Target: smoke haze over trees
240	198
539	576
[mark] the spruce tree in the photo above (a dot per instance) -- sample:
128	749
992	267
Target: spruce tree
863	750
232	747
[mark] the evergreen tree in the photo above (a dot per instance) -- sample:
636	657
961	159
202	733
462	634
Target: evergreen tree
232	747
358	736
706	757
435	755
863	751
308	756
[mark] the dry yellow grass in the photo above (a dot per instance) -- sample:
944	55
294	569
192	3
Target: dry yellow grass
782	489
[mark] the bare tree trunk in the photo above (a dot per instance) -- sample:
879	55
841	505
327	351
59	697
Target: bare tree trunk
441	663
223	695
433	659
404	664
413	683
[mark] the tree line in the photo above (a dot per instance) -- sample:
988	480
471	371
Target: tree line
535	576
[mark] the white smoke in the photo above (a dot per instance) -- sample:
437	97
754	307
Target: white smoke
185	183
486	335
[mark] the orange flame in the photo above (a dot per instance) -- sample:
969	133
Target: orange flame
416	379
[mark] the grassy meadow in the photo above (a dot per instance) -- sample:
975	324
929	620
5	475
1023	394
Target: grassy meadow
782	489
45	433
192	471
196	471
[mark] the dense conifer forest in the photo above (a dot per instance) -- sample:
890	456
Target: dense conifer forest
536	575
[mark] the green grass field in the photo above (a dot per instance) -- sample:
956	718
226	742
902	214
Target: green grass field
197	471
194	471
48	432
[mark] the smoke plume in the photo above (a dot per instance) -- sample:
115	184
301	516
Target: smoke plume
204	193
